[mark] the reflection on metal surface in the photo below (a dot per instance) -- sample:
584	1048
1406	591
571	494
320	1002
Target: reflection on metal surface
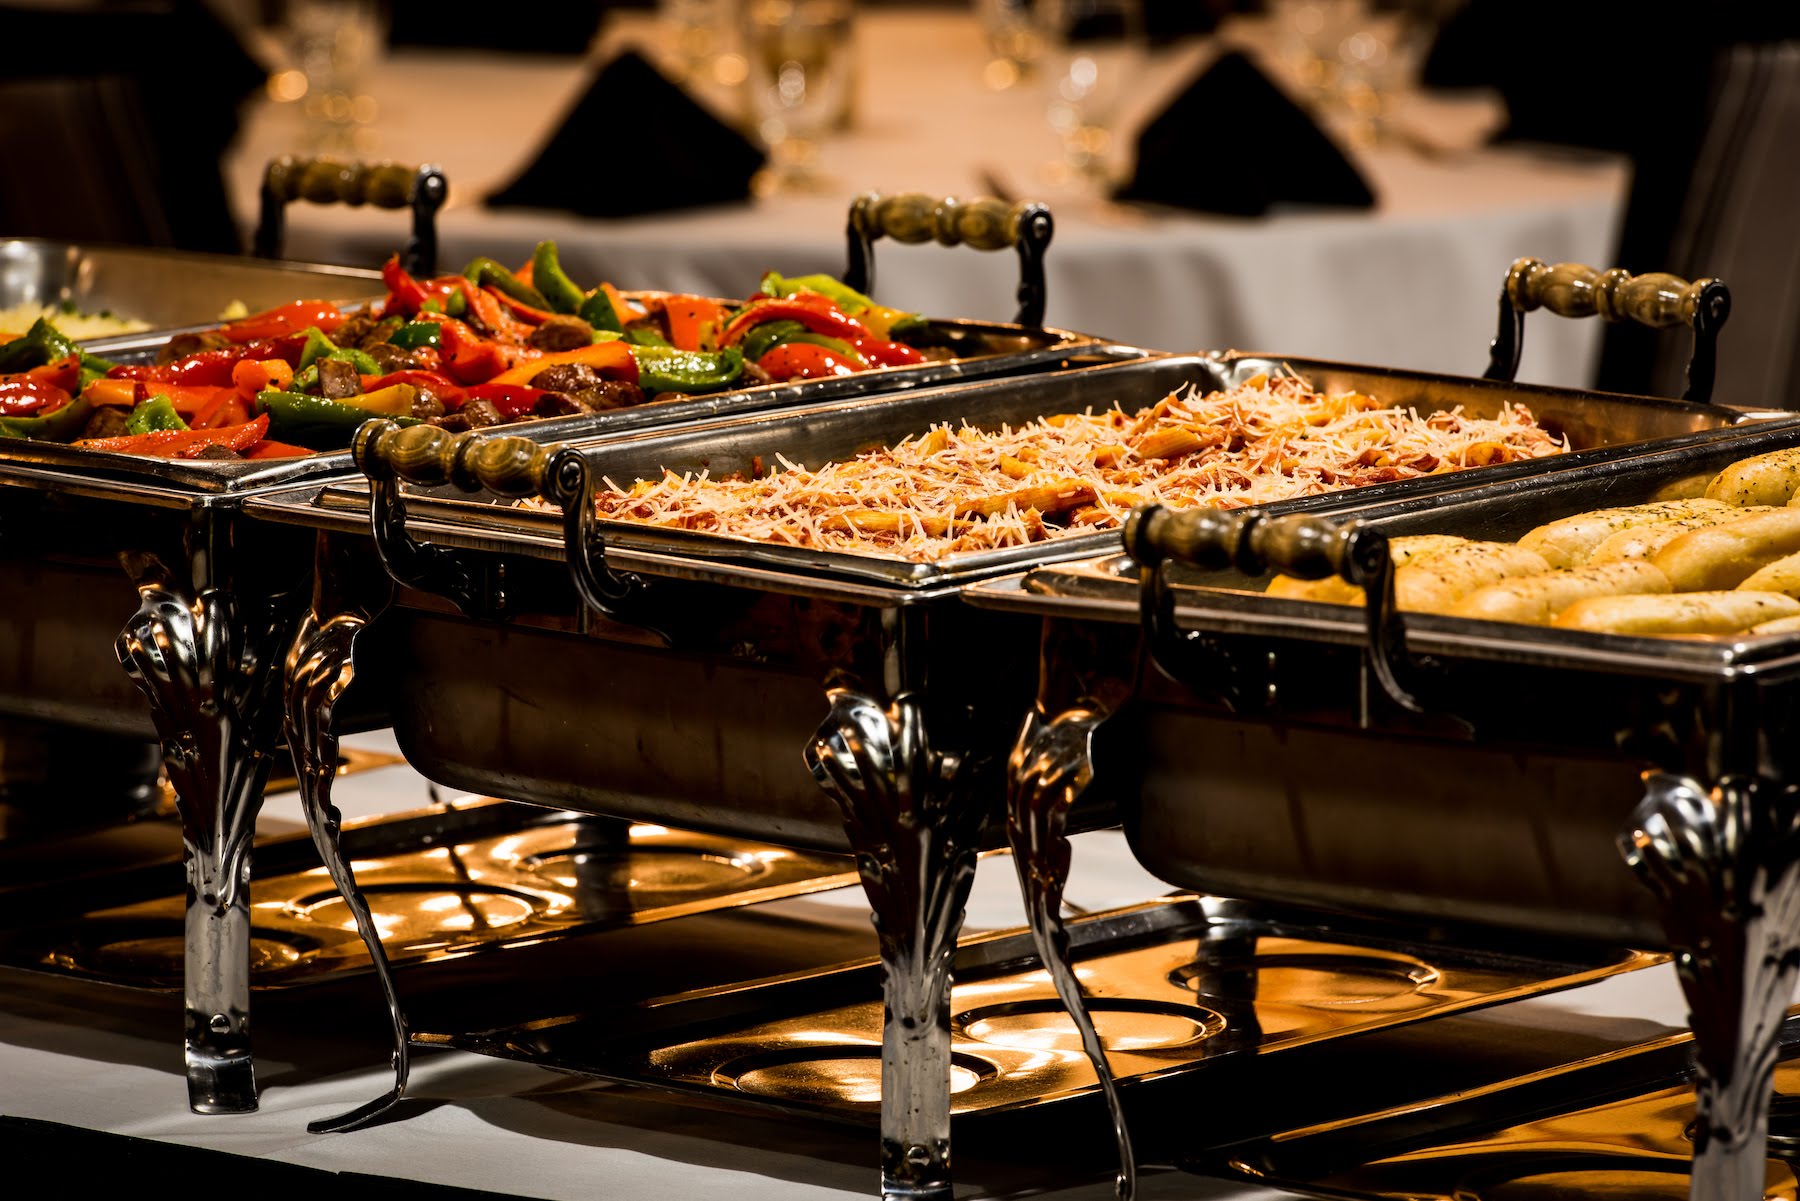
488	893
1137	967
1632	1146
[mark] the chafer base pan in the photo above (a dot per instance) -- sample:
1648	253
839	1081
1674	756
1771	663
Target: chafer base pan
1176	985
1614	1126
482	876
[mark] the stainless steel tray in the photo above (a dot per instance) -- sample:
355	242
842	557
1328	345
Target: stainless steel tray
1180	985
1598	427
166	288
476	877
1611	1126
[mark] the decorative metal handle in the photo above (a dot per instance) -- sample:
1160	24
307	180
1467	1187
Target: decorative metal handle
1245	539
424	454
1657	299
328	181
984	223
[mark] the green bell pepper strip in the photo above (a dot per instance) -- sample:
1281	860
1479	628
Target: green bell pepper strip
485	272
44	343
313	421
157	413
415	334
665	369
317	347
597	311
553	284
886	322
765	336
60	426
643	335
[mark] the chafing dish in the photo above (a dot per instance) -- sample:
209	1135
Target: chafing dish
1482	774
811	699
218	603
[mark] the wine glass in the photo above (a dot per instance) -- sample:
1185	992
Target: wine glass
1095	48
799	65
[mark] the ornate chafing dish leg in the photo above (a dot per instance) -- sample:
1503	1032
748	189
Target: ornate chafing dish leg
1726	867
915	833
1052	764
319	668
207	660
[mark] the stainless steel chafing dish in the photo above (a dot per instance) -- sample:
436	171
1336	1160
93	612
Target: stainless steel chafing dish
1479	773
800	697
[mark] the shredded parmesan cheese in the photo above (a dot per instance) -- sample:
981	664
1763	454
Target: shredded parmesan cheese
965	489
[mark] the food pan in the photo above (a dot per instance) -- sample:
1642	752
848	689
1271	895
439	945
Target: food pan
816	699
1480	773
165	289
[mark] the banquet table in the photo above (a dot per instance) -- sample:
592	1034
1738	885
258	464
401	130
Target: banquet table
91	1058
1409	283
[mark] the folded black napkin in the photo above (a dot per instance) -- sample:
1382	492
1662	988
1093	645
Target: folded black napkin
635	143
1232	142
564	28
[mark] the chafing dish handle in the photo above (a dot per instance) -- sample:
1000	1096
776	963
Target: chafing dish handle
473	461
1245	540
1657	300
985	224
327	181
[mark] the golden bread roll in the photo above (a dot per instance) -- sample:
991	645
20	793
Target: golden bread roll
1724	556
1781	625
1770	479
1536	599
1677	613
1569	542
1685	488
1643	541
1783	576
1334	590
1431	583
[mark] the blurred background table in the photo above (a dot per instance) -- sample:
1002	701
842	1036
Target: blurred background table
1408	283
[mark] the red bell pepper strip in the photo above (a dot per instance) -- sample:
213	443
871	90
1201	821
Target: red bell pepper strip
512	400
267	449
213	368
519	308
486	312
64	373
886	354
285	319
803	360
183	444
610	359
23	396
227	407
815	313
428	383
404	291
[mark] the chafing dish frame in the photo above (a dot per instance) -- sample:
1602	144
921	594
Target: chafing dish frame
900	792
1716	837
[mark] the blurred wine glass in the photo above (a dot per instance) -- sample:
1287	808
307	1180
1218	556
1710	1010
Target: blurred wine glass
331	45
1094	50
798	56
1014	40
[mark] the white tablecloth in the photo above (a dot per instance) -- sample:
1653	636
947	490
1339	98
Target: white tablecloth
1411	283
109	1060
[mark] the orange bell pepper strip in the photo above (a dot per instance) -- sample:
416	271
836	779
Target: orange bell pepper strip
182	444
120	393
694	322
253	375
610	359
